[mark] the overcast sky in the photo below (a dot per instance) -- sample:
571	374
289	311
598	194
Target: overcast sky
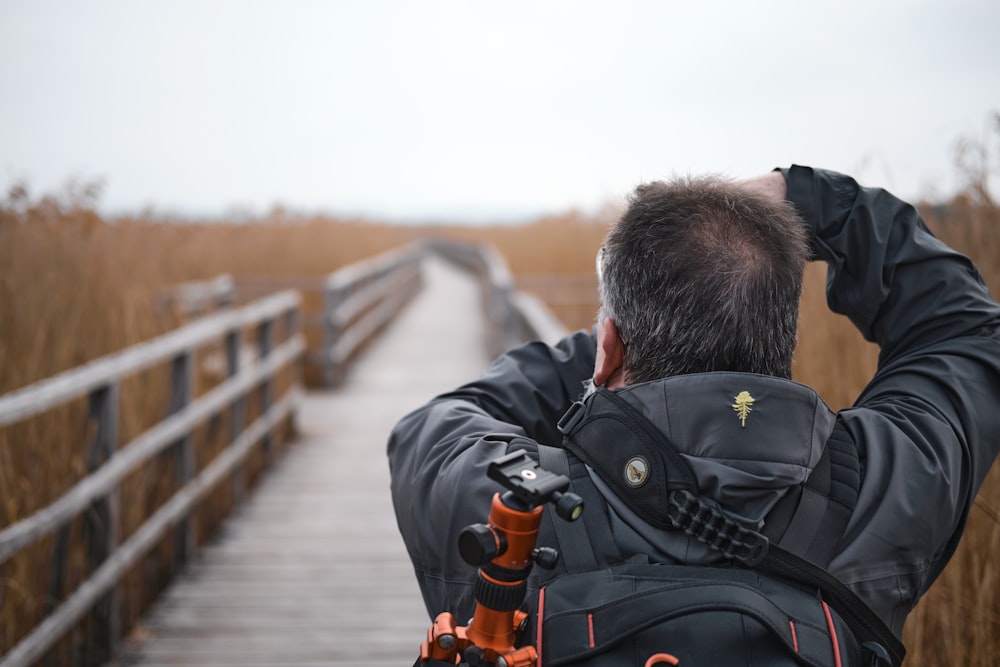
482	110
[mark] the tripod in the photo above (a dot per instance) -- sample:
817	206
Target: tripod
504	551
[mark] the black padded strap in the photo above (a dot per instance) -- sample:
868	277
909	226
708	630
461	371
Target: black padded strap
811	520
866	625
613	437
575	549
842	493
553	459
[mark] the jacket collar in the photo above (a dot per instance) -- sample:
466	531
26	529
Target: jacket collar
746	438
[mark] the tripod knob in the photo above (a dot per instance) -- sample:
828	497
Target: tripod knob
473	656
568	505
545	557
478	544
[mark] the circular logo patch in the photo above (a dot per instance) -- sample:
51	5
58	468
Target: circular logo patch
636	471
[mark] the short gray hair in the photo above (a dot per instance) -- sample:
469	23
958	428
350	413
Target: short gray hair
702	275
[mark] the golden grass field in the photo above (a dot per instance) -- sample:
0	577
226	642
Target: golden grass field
75	287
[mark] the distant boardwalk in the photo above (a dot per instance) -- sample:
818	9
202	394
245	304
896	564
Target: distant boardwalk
312	571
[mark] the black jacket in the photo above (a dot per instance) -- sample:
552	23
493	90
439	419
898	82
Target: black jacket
927	425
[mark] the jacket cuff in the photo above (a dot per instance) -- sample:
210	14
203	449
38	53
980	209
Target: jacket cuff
801	184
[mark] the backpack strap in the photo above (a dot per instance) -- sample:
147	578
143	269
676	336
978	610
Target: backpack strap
590	630
810	520
576	539
593	430
553	459
870	630
575	550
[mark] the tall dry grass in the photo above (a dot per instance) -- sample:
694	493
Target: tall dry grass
74	287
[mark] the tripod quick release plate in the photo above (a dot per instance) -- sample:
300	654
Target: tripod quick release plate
533	485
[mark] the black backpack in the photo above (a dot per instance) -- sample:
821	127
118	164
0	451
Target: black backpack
769	602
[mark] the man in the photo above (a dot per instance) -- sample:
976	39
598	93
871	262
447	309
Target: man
700	282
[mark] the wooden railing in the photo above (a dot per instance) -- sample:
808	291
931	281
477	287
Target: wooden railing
360	299
573	297
200	297
514	316
97	494
357	301
346	308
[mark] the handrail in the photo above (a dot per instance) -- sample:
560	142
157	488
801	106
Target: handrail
357	301
70	384
159	437
515	317
98	492
360	299
198	297
537	318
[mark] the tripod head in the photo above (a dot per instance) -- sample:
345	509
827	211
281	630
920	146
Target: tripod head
532	485
505	552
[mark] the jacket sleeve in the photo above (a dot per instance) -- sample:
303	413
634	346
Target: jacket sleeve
927	422
439	453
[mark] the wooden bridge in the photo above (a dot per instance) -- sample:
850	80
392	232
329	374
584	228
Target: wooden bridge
309	569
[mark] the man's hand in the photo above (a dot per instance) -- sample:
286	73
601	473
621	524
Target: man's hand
771	185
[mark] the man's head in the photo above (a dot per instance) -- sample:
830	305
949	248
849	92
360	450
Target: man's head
700	274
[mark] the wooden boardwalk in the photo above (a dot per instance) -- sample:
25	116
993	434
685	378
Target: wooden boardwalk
311	570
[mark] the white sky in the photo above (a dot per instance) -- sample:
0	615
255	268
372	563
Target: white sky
486	110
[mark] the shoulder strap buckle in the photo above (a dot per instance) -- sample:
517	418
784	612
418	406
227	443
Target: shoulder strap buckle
572	417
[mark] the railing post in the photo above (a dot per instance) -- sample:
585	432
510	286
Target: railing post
102	527
292	323
503	319
333	296
57	568
238	409
265	342
181	392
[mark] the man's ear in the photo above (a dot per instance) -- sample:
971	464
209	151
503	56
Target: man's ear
609	367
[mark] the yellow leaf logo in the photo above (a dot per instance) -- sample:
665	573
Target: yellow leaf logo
742	406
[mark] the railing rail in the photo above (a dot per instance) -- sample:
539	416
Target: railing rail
98	492
201	296
350	305
360	299
514	316
46	394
